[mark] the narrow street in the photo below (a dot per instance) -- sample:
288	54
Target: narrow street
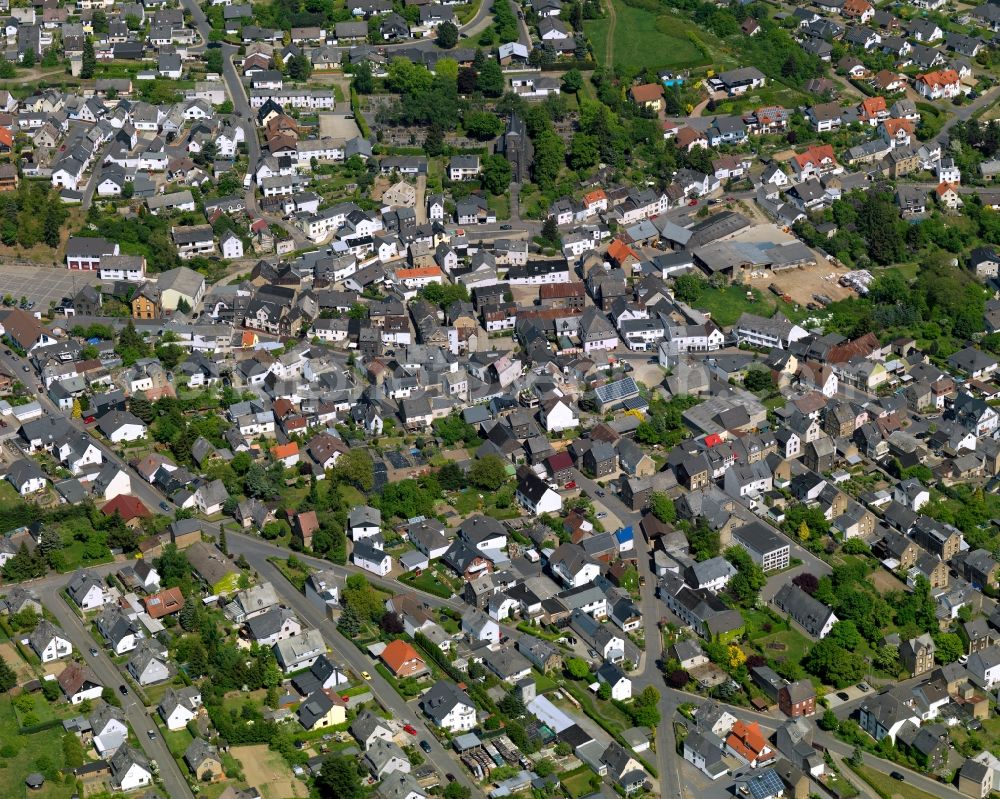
107	672
346	651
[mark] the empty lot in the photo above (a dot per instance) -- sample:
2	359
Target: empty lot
268	772
338	126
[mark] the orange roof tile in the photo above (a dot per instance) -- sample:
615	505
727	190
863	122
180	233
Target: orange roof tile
282	451
816	154
893	126
942	77
398	653
871	106
595	196
418	271
619	251
164	603
127	506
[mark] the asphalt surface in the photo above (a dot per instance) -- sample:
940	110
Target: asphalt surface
107	672
95	171
245	117
256	553
140	488
42	284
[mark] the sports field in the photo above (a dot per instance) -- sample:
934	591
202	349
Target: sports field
642	39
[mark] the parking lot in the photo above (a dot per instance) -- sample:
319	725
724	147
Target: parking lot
40	284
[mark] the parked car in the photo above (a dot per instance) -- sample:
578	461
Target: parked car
570	485
843	695
409	728
425	746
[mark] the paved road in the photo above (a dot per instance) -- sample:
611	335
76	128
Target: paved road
257	552
245	118
88	192
956	115
140	488
652	610
108	673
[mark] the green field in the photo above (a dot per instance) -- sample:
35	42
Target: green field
728	304
643	39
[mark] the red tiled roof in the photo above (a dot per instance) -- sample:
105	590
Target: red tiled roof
647	92
128	507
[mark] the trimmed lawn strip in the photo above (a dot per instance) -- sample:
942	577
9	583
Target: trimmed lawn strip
886	787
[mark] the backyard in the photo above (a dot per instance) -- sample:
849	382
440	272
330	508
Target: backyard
22	754
432	580
578	782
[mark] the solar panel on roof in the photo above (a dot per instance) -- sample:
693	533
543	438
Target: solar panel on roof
635	404
764	785
615	391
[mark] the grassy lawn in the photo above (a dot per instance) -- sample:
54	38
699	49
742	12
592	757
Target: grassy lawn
467	502
643	39
577	782
296	577
775	94
8	496
24	754
351	495
756	621
39	714
843	788
795	645
499	204
885	786
604	713
177	741
728	304
543	682
428	581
